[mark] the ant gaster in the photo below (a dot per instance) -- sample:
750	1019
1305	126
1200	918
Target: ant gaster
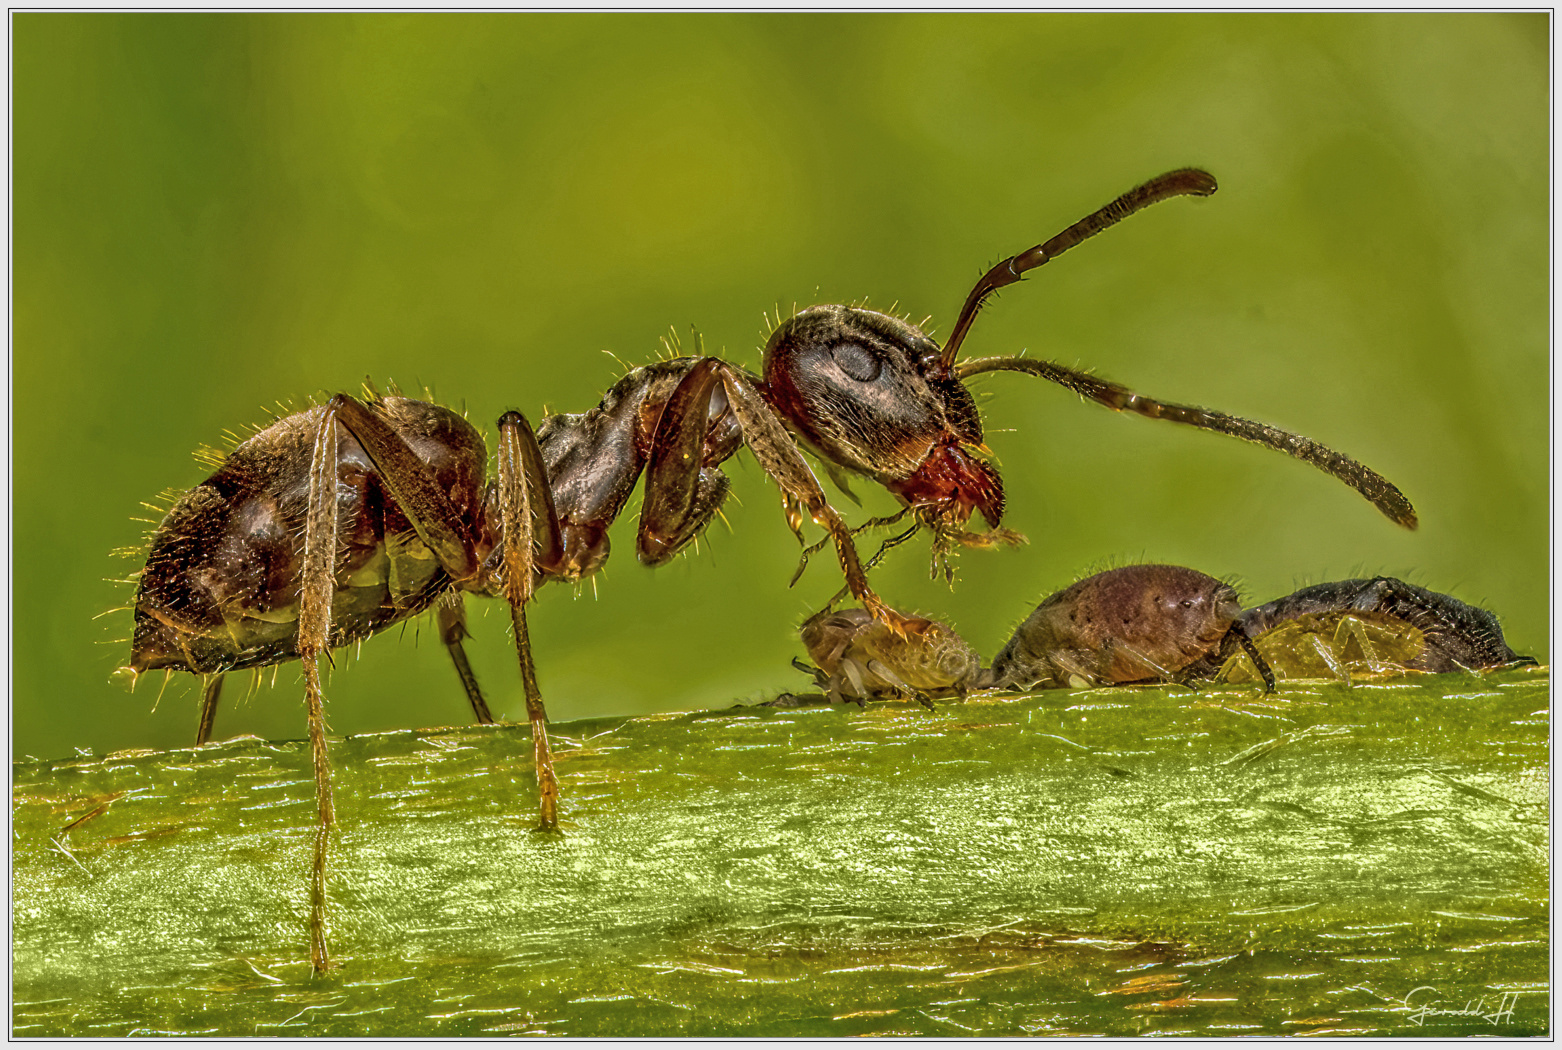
337	522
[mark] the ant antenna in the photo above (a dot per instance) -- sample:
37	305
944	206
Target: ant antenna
1183	182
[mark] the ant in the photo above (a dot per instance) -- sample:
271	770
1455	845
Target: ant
1377	625
334	523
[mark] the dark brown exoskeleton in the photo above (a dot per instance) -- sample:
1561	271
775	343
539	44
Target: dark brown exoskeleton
1139	623
873	395
337	522
1391	624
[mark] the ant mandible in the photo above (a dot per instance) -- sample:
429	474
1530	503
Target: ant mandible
337	522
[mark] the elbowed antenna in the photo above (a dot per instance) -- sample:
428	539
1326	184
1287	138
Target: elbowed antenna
1374	486
1183	182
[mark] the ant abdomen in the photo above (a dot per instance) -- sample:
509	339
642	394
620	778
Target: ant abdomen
221	587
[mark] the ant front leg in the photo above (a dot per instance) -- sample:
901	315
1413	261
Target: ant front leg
674	464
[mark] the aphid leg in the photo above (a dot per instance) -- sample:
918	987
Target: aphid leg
1259	663
211	691
314	637
1071	670
821	679
1135	658
452	629
524	503
767	438
1326	652
852	672
880	669
1351	629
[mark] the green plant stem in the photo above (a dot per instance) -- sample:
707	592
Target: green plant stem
1003	866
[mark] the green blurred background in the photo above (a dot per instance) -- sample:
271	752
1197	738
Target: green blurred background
215	212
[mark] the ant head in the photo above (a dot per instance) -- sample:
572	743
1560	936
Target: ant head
872	393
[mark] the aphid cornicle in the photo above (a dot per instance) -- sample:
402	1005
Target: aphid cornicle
337	522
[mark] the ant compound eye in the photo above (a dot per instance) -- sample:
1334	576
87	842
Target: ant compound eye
857	361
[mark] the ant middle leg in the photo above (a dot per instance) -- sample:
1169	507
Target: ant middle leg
452	631
525	503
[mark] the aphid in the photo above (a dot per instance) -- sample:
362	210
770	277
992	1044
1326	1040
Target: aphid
861	658
1376	626
1139	623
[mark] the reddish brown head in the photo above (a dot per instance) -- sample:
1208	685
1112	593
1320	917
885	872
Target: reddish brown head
871	393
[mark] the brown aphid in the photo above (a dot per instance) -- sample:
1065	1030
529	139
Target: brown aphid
860	658
1140	623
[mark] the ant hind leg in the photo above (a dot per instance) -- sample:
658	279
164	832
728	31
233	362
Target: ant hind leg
211	692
